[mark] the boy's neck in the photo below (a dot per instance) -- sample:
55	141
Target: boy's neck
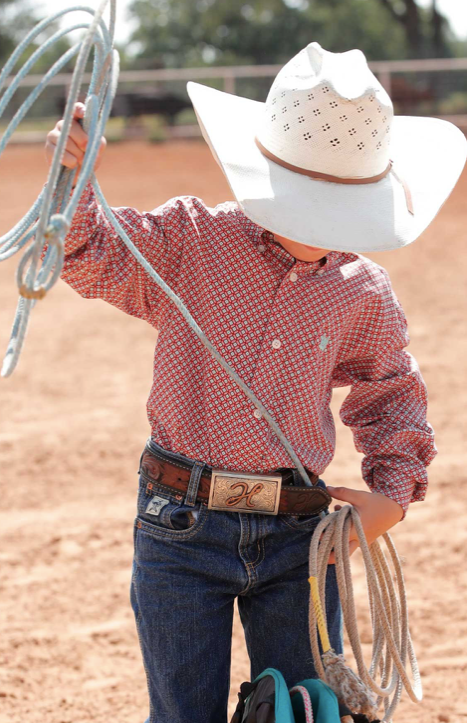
300	251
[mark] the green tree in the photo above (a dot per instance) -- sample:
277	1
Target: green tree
178	33
13	25
427	31
17	18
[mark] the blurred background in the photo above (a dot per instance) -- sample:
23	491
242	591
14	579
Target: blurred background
72	416
239	46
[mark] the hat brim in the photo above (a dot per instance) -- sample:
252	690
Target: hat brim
428	153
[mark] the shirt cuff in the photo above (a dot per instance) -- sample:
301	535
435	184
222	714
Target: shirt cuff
79	230
402	485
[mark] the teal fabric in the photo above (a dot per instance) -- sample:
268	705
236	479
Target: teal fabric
283	707
323	701
287	710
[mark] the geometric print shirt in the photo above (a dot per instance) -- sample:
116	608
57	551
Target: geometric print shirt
292	330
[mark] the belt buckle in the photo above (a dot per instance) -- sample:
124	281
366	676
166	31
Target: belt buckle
233	491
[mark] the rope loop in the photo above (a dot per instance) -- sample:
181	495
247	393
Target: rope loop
43	229
57	229
392	643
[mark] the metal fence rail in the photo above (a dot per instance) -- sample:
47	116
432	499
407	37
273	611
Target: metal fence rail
434	86
384	69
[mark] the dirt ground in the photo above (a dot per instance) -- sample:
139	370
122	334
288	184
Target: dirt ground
72	425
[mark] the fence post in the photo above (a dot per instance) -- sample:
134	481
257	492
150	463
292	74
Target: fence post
384	77
229	83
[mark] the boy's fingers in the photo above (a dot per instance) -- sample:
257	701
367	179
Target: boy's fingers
77	141
353	544
78	111
102	147
78	135
69	160
100	152
354	497
70	147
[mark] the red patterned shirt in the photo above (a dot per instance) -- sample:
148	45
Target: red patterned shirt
291	329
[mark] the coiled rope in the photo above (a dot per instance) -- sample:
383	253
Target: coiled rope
392	643
49	219
47	223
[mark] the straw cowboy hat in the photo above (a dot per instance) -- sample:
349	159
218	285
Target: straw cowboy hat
324	161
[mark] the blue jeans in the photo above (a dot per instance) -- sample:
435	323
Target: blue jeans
189	566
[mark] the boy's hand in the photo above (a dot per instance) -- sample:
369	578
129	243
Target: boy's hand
76	143
378	514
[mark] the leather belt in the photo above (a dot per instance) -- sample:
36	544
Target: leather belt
164	474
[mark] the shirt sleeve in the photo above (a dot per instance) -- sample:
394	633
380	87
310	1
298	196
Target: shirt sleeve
99	265
387	403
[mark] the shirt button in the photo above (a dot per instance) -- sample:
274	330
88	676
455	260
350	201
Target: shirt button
276	344
293	276
321	271
261	248
257	414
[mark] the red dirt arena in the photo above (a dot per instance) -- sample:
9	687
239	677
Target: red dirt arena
73	424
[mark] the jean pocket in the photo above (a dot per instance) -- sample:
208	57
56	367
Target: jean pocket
165	512
306	523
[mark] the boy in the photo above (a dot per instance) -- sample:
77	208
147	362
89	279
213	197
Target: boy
275	282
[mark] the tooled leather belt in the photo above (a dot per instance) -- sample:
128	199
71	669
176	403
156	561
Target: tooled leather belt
272	493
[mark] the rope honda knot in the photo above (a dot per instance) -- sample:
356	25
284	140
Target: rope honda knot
57	229
28	293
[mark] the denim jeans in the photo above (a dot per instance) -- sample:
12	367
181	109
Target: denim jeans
189	566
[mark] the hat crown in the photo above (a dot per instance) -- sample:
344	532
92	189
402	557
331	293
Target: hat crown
326	112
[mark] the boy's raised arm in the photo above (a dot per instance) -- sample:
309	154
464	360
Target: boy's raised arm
97	262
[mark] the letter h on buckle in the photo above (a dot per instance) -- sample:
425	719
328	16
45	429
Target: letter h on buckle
234	492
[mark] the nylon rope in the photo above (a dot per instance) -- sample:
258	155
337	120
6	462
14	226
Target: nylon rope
392	643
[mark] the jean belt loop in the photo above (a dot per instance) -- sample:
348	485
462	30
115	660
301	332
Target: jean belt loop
193	484
146	446
296	477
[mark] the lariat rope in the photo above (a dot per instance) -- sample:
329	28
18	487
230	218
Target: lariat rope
47	223
392	643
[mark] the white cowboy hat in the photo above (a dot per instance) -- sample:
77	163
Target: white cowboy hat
324	162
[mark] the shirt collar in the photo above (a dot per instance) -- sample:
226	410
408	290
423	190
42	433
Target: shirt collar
320	267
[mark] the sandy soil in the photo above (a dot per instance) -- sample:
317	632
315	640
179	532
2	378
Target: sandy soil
72	425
